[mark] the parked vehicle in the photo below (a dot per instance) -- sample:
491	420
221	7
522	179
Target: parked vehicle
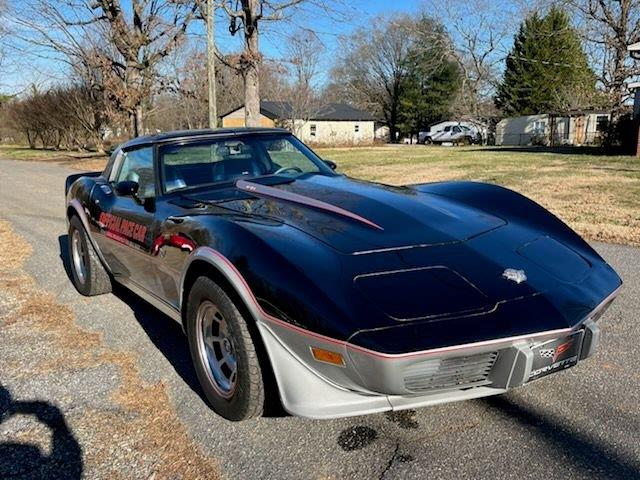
459	133
351	297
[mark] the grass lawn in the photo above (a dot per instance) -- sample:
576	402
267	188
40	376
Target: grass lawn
597	195
79	160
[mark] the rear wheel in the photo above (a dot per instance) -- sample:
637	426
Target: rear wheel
89	275
223	353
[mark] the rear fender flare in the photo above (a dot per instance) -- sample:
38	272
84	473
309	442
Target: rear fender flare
74	207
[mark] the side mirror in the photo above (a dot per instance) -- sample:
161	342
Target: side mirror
127	188
331	164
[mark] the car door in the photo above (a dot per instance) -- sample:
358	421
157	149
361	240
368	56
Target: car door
445	135
456	133
126	220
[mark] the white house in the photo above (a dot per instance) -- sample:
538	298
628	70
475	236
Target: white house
331	124
576	127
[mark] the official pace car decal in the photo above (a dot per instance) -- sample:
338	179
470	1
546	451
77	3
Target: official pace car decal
122	230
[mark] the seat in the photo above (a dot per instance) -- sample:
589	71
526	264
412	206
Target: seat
173	178
233	165
145	179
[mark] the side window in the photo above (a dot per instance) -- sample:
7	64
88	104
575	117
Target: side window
447	128
456	130
114	160
137	166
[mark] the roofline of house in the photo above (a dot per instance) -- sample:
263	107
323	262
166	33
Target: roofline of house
273	116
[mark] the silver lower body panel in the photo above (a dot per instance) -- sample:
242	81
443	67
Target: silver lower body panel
318	393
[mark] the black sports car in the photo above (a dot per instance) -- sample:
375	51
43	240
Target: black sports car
352	297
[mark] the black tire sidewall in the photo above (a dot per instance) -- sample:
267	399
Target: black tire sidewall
242	404
82	287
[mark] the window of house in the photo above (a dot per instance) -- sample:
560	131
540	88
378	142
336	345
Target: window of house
539	127
312	130
602	123
357	127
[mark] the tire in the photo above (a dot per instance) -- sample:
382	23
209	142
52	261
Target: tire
88	274
428	141
210	311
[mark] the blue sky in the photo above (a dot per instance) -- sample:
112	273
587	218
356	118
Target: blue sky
31	69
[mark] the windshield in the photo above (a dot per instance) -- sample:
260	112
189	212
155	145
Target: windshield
226	160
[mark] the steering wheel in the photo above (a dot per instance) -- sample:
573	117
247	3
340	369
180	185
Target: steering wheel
284	169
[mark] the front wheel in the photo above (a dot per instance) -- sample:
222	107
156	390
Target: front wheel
223	353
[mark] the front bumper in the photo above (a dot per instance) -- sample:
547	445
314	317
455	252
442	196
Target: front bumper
372	384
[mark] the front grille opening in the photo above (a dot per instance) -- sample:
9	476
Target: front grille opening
450	373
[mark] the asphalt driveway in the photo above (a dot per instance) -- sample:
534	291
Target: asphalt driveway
583	423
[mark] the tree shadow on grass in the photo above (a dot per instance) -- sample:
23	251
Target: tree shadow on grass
560	150
27	461
588	454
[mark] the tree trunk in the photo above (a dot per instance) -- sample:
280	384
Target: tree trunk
30	139
251	58
139	121
393	133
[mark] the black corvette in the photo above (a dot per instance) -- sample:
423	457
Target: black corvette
351	297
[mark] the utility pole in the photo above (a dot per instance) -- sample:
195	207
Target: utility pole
211	62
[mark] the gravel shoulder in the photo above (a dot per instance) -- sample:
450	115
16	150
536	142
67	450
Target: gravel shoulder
112	380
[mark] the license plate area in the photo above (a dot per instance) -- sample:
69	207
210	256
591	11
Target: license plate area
555	355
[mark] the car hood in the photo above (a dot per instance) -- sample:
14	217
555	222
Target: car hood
355	216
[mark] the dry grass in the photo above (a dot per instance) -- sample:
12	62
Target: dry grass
79	160
142	428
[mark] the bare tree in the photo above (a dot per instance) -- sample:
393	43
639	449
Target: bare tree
3	31
61	117
609	26
247	19
182	100
480	30
376	63
137	38
303	54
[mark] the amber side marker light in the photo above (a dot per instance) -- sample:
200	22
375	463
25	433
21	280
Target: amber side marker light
327	356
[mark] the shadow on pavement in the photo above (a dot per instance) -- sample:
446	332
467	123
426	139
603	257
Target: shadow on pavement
166	335
26	461
63	245
587	453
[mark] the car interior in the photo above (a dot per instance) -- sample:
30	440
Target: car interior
187	166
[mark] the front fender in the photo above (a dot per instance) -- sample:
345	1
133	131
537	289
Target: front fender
287	272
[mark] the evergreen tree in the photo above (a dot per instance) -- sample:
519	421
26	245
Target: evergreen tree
546	69
432	81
